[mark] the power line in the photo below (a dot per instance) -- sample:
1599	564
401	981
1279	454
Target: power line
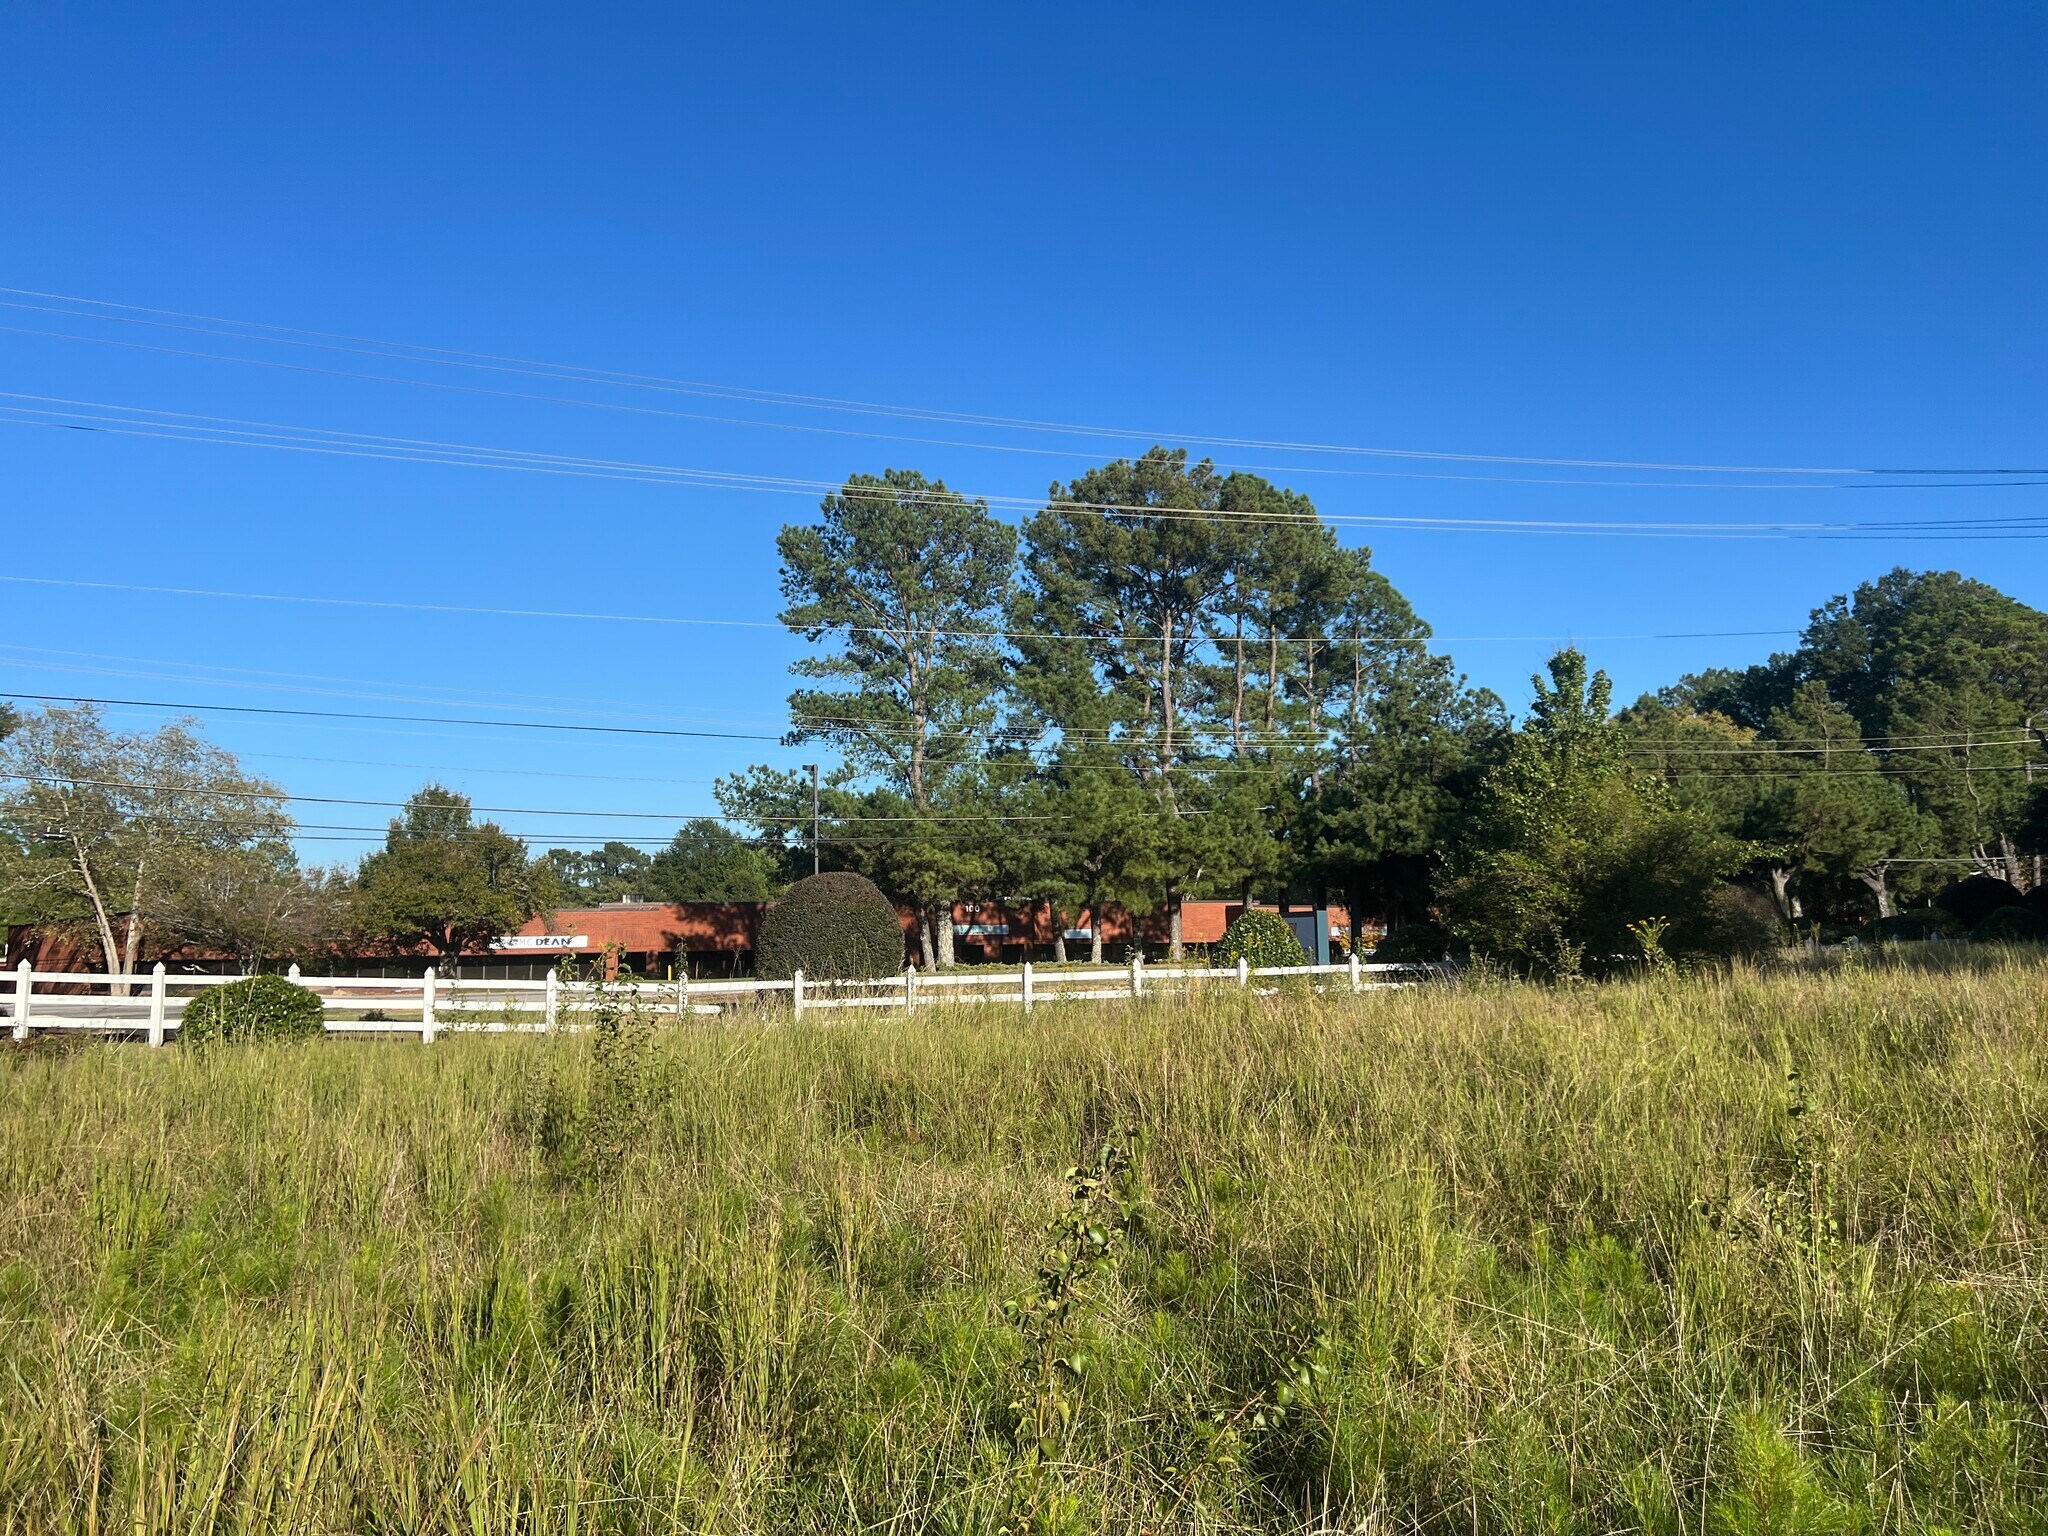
1769	748
268	793
239	677
568	615
873	727
464	456
1019	739
529	398
112	311
333	714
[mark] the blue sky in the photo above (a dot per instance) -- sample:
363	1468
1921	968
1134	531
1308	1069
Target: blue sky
1748	235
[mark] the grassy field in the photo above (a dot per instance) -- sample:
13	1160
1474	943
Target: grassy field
1748	1254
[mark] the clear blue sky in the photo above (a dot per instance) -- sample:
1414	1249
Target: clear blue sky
1763	235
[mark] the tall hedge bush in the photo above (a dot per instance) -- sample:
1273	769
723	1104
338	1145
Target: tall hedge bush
1260	938
834	926
2012	925
1975	897
1917	923
261	1008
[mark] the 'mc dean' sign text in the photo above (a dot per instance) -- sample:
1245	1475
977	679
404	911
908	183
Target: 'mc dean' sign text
533	941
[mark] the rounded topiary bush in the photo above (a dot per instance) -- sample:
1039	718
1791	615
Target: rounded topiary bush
1739	922
832	927
1919	923
1975	897
1413	944
2012	925
1260	939
261	1008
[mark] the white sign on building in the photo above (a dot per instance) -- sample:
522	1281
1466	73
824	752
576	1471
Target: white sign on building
534	941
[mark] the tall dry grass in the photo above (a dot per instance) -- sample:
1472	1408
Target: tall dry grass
1754	1253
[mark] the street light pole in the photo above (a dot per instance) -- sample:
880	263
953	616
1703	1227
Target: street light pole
814	816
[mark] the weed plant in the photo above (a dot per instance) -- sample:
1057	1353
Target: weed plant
1733	1253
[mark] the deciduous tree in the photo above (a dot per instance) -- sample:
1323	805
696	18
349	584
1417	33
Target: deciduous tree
448	882
123	831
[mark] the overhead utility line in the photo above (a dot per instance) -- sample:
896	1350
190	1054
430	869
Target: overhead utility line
332	443
951	634
105	310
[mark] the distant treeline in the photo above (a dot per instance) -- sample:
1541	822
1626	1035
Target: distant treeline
1168	683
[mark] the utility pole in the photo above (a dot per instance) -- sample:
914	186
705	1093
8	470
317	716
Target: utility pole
814	816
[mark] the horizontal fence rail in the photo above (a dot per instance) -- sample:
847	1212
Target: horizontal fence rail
152	1004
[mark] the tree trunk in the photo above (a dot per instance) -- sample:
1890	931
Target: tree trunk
944	920
1877	878
1059	939
1315	724
924	939
110	954
1174	951
131	948
1781	893
1166	697
1095	933
1237	695
1272	681
1357	684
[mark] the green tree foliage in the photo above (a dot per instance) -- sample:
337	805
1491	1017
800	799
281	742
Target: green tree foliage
1836	831
708	861
260	1008
1124	570
1947	680
446	882
160	833
2032	835
833	926
588	877
905	584
1207	637
1412	741
1259	937
1568	843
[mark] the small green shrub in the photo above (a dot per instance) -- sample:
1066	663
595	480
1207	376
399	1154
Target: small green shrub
261	1008
834	926
1919	923
1260	938
1413	944
2011	925
1741	922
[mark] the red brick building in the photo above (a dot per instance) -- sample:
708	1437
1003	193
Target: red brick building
710	938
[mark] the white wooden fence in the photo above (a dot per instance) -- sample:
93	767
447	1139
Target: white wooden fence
152	1004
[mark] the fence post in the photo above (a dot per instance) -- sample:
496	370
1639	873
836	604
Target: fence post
549	997
156	1004
1137	973
292	975
682	994
1356	984
1244	971
23	984
796	995
427	1008
909	987
1027	986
